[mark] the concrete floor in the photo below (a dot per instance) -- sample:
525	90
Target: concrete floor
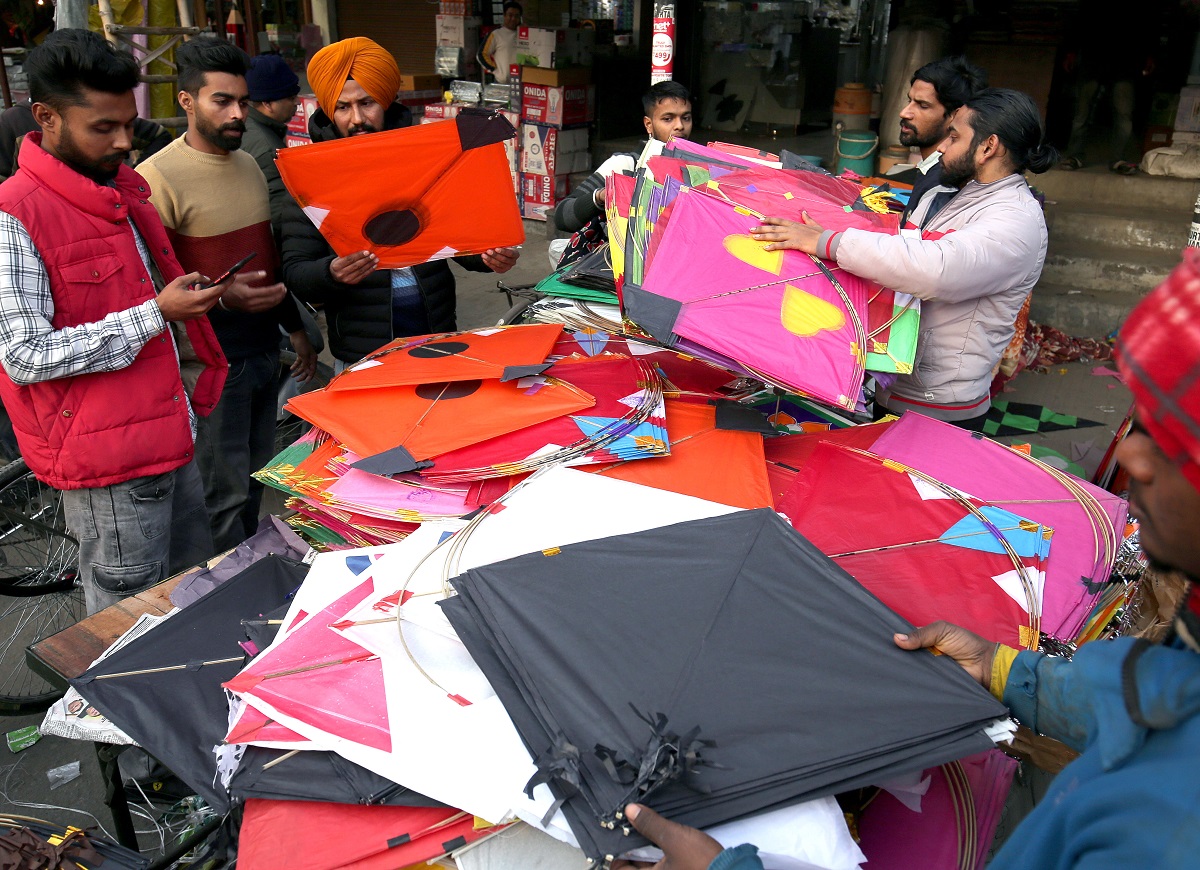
1069	389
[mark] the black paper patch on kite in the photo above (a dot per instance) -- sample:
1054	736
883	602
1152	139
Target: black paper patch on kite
736	417
515	373
438	349
395	461
395	227
448	390
479	127
655	314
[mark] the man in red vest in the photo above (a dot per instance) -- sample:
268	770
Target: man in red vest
106	354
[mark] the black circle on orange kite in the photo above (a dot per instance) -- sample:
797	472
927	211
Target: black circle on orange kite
450	390
435	349
393	227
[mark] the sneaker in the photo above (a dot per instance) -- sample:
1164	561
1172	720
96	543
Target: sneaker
1124	167
1071	164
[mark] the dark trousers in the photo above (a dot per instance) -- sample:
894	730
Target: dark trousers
235	440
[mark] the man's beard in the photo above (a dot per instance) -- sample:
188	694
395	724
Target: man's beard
219	136
910	138
958	172
357	129
101	171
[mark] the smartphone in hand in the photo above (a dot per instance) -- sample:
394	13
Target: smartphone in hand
231	271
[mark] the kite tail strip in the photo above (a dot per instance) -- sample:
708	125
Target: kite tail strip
666	758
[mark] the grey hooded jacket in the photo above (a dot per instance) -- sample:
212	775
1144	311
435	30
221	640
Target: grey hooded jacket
977	260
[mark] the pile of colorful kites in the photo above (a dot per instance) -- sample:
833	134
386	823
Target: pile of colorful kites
635	549
683	263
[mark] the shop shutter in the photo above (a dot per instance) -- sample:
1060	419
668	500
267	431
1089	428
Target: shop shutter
403	27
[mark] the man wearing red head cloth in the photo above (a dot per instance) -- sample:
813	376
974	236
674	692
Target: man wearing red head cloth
1131	708
356	81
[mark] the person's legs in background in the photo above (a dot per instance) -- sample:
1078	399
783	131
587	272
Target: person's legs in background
1085	102
1122	103
263	420
223	446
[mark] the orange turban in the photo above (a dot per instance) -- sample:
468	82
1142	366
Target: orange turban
359	58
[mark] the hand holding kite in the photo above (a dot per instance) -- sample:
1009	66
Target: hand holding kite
500	260
353	268
973	652
683	848
789	235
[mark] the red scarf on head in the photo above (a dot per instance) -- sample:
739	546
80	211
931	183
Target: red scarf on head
1158	352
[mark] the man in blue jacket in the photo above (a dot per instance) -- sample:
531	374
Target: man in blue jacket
1132	709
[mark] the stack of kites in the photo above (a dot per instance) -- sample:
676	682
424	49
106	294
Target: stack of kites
685	269
563	564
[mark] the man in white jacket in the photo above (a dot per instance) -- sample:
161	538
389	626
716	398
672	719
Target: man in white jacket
972	263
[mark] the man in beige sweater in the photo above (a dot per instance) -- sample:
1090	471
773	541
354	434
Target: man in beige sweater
214	204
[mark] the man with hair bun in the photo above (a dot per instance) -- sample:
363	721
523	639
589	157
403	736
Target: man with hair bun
972	263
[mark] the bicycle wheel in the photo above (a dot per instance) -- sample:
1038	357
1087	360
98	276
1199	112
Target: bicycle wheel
40	591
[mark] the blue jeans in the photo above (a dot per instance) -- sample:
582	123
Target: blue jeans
235	440
138	533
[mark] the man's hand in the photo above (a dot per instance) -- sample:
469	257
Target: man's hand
788	235
683	848
241	295
500	259
353	268
178	301
305	365
973	652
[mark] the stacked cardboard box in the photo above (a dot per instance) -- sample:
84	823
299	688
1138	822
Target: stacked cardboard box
556	107
460	33
297	128
552	48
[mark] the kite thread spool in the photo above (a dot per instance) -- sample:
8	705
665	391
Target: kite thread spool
854	150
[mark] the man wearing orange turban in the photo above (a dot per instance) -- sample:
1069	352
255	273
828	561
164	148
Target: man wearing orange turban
356	81
359	59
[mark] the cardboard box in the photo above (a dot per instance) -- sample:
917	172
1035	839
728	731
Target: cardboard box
557	78
456	31
1157	137
442	111
554	47
559	107
420	82
418	98
544	189
531	211
1180	137
306	107
1187	118
551	151
452	7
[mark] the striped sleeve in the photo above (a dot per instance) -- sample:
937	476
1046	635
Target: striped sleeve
31	349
